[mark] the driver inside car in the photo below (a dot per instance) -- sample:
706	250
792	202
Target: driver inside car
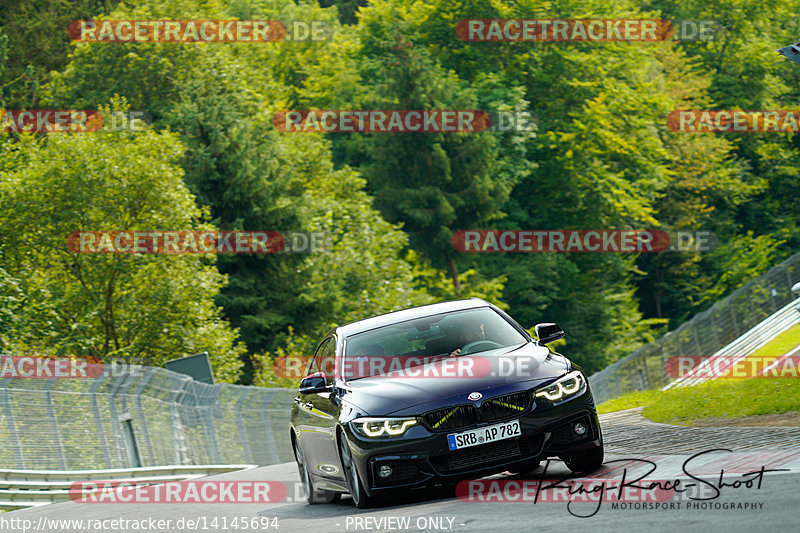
469	333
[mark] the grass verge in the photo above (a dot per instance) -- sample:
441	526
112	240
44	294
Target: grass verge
725	398
780	345
721	398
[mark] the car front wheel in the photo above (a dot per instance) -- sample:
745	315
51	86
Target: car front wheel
587	461
360	497
312	496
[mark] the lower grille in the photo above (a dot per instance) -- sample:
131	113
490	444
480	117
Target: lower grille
486	455
477	456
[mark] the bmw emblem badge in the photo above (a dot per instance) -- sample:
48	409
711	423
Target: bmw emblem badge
475	396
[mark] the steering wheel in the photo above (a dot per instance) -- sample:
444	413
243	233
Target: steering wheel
468	347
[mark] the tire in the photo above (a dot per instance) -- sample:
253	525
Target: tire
587	461
313	496
354	484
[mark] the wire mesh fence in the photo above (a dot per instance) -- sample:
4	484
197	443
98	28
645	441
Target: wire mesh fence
65	424
703	335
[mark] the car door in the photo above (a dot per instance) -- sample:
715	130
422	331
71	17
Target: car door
318	413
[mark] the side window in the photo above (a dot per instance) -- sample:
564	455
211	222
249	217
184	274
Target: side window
327	358
324	359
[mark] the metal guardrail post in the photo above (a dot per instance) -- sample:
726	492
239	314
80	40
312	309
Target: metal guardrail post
697	347
116	385
750	306
178	435
98	420
11	423
248	457
714	327
51	414
270	439
737	332
210	431
134	458
145	431
678	343
211	435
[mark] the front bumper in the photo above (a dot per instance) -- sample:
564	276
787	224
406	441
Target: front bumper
422	457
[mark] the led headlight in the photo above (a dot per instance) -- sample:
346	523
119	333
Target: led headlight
569	385
382	427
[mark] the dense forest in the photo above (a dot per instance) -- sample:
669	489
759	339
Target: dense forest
601	155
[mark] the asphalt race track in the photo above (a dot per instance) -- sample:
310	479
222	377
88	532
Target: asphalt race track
745	496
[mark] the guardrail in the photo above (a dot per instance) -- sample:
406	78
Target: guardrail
742	347
31	488
706	333
147	417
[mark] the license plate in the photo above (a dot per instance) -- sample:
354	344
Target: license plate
475	437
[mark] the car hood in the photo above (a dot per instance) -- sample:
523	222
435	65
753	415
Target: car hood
495	373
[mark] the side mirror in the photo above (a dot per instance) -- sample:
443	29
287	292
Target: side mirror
548	332
313	383
791	52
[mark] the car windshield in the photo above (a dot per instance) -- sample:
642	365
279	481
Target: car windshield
426	339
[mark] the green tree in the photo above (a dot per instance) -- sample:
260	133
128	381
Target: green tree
220	100
742	186
153	307
348	9
34	41
433	183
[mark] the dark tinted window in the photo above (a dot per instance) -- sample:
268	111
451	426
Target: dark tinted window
324	359
429	338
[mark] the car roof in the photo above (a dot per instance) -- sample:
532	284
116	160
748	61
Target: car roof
409	314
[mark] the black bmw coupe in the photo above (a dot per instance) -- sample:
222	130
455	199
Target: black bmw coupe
436	394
